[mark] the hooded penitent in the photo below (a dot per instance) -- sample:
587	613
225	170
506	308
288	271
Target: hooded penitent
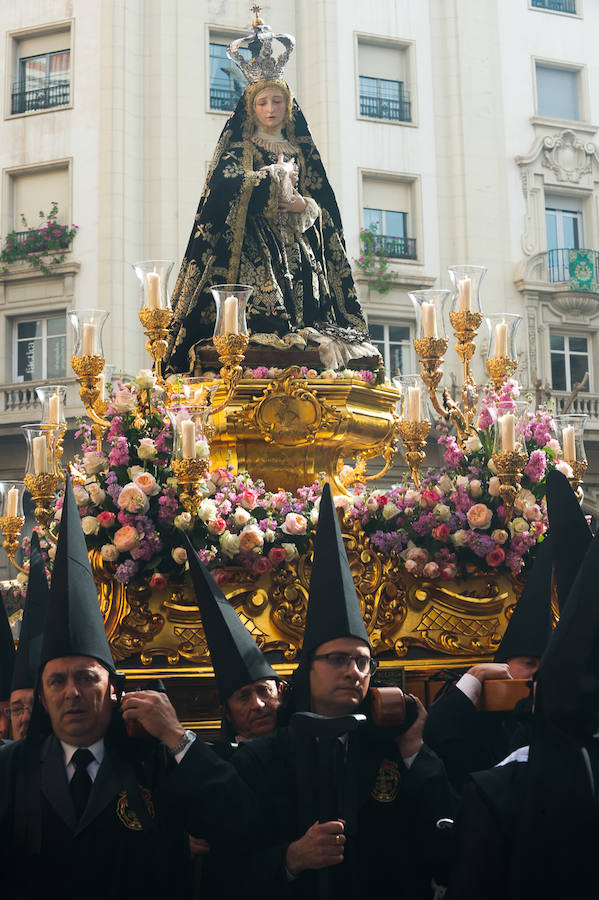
7	654
529	628
29	652
74	625
570	532
236	659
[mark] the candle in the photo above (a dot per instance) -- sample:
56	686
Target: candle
154	290
40	455
198	395
101	386
501	339
464	294
88	344
569	445
54	409
188	439
230	311
507	424
12	501
429	321
413	404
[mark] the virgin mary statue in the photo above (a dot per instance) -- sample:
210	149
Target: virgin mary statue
268	218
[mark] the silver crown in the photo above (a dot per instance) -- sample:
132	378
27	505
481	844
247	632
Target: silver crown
263	66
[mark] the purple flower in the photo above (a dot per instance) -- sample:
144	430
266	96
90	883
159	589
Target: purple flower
126	571
480	544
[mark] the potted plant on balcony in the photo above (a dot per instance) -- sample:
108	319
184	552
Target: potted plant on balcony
373	262
41	247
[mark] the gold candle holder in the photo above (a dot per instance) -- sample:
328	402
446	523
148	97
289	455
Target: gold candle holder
88	369
510	465
500	368
414	435
11	527
579	468
43	488
465	325
231	349
190	472
431	352
156	324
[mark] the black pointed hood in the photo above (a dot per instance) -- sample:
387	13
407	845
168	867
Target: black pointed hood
236	659
570	531
333	605
529	629
29	652
74	625
7	653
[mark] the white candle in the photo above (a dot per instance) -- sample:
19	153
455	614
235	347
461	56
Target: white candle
154	292
54	409
464	294
230	314
413	404
40	455
188	439
507	424
101	386
88	344
569	445
429	321
12	501
198	395
501	339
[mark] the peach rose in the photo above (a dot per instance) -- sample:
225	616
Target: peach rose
431	570
251	538
133	499
179	555
479	516
126	538
294	524
147	483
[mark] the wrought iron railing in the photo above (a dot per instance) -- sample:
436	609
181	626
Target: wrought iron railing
395	247
566	6
51	94
386	108
558	266
223	100
35	237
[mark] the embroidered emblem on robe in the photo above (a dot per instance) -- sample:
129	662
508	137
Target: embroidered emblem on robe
386	785
128	816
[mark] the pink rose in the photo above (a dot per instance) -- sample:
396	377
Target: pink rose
429	499
106	519
538	528
262	565
220	476
418	555
249	498
220	576
441	532
448	571
294	524
278	500
411	565
217	526
124	401
277	556
431	570
126	538
533	513
495	557
479	516
341	501
133	499
158	581
147	483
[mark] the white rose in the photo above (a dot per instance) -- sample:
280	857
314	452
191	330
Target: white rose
458	539
553	445
207	510
565	468
390	510
314	515
341	501
109	553
183	521
179	555
493	486
22	578
94	461
371	505
442	512
412	497
475	488
518	526
290	552
98	496
146	449
90	525
52	551
269	535
134	471
80	494
462	481
446	484
202	449
241	516
124	401
472	444
523	499
492	467
145	379
229	544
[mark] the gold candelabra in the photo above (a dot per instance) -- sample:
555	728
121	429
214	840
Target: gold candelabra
88	370
500	368
579	468
190	472
156	324
414	435
509	465
11	527
465	325
43	487
231	349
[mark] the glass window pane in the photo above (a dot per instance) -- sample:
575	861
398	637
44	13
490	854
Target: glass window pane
558	372
399	333
578	344
59	66
368	86
57	325
557	92
226	80
395	223
557	342
29	361
56	360
389	90
33	72
570	226
377	332
399	362
551	226
29	329
374	217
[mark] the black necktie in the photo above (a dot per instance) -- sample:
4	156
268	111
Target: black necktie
81	783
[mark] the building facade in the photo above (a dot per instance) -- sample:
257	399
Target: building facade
461	131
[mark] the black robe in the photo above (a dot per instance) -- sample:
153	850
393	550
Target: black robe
390	812
131	840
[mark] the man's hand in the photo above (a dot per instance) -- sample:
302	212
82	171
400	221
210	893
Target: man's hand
490	671
155	712
198	846
296	204
411	741
321	846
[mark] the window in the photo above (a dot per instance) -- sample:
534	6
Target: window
569	361
34	190
383	80
227	82
557	92
40	348
388	205
41	69
395	346
390	238
564	6
563	223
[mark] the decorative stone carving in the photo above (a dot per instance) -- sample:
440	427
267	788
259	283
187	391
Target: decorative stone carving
568	158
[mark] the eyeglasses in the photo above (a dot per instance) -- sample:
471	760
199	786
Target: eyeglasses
364	664
15	712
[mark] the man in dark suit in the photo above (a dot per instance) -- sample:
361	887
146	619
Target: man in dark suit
7	661
86	811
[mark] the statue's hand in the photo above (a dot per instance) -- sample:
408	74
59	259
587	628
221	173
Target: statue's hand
296	204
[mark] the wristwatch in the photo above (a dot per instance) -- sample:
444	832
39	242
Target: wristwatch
188	738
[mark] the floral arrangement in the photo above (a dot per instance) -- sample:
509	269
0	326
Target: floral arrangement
265	372
374	263
42	247
130	509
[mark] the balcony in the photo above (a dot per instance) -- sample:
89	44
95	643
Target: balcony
394	247
386	108
584	403
19	402
572	290
223	100
564	6
56	93
37	242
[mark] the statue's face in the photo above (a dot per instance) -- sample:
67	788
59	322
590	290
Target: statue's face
270	107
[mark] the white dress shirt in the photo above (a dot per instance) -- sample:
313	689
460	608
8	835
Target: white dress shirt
97	751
